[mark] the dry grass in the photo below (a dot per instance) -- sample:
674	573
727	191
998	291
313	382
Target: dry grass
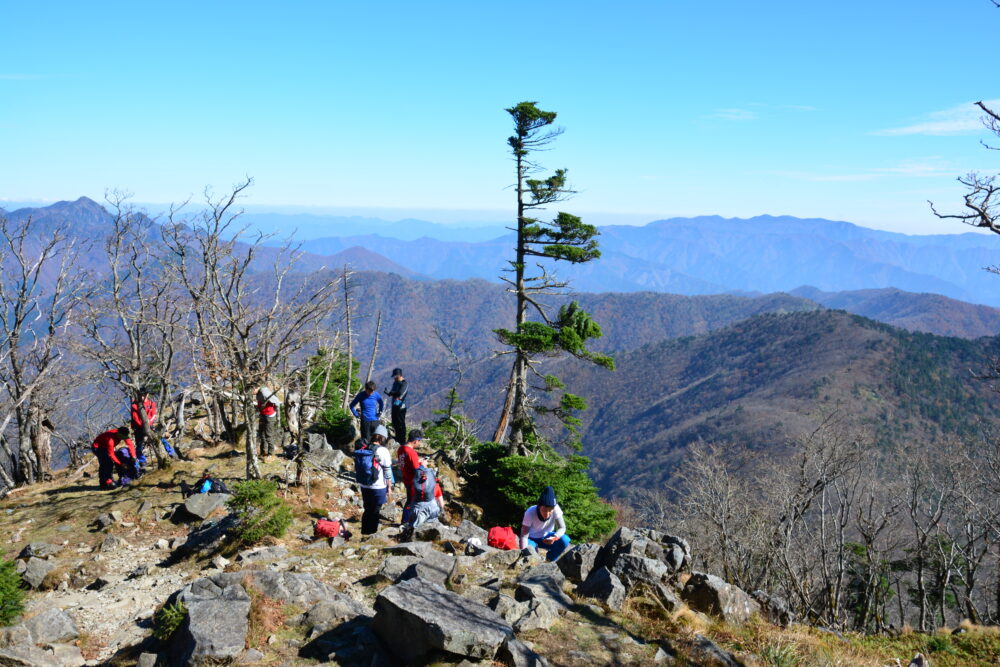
266	616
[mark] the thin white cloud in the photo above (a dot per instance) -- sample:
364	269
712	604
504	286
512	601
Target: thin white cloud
930	167
962	119
735	114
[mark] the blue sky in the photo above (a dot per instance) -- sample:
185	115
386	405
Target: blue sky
851	110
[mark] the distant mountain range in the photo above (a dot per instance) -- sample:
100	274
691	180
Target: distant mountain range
744	368
711	255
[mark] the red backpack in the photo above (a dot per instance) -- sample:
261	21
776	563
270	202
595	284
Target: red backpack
325	528
502	537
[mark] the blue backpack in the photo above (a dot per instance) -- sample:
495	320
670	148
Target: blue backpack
367	469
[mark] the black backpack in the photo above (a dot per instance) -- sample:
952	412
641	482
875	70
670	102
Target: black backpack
424	483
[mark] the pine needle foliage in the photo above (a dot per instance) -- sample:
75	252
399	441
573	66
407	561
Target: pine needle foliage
509	484
11	593
259	512
168	620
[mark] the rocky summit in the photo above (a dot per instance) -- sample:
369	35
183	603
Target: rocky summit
143	576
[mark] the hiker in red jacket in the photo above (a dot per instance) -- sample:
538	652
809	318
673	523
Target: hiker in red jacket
409	461
149	405
114	450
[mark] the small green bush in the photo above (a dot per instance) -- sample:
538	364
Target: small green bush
259	512
11	593
336	424
168	619
508	485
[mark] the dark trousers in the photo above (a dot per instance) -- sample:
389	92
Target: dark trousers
105	470
270	435
408	507
399	424
140	443
372	500
368	429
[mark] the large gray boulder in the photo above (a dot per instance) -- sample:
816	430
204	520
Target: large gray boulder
543	582
393	567
216	626
36	570
603	585
417	617
326	615
295	588
327	457
516	654
539	615
435	531
39	550
28	656
774	608
262	554
201	505
578	562
436	567
51	626
419	549
468	530
709	594
206	539
706	652
673	552
633	570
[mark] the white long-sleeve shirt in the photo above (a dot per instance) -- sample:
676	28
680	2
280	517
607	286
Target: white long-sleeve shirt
385	479
539	528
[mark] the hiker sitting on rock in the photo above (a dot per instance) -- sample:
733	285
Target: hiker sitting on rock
373	470
115	452
427	500
543	527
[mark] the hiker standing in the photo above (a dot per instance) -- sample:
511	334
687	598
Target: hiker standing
543	526
143	406
371	409
398	395
409	461
269	425
115	451
373	471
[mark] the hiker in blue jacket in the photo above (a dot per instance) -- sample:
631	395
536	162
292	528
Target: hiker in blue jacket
371	408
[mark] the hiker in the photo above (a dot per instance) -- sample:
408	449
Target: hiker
115	452
398	395
138	427
373	471
371	409
408	461
269	426
206	484
428	501
543	527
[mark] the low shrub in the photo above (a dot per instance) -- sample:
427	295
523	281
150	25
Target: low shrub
259	512
508	485
11	593
336	424
168	619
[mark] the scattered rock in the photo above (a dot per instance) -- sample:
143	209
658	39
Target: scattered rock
207	539
251	655
146	660
108	519
436	567
216	627
434	531
161	544
603	585
543	582
507	607
112	542
392	568
28	656
515	653
919	661
146	506
540	615
262	554
416	617
706	652
324	616
419	549
16	635
51	626
201	505
468	530
633	569
220	561
774	608
711	595
35	571
39	550
577	563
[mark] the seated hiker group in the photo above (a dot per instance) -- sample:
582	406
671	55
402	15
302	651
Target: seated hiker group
542	526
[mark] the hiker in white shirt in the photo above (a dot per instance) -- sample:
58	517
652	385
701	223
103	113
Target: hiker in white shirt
543	526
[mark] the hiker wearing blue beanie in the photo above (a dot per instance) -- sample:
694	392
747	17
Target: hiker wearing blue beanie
543	526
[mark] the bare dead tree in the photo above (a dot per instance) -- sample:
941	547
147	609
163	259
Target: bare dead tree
371	362
251	313
39	296
345	278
